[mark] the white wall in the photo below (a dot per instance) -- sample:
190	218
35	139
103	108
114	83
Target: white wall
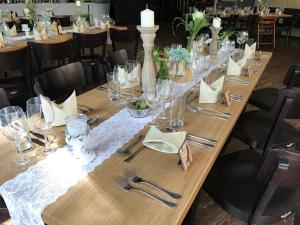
285	3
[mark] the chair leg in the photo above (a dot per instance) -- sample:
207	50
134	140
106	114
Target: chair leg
95	72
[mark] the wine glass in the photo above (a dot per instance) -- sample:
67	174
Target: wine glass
132	68
150	94
164	91
242	38
119	75
14	126
41	118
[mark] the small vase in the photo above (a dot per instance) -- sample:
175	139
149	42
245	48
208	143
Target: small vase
163	72
176	70
190	43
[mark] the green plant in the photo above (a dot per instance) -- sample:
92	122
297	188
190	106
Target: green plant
226	34
161	58
30	11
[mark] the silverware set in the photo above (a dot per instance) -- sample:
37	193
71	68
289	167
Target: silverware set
236	98
131	176
210	112
237	80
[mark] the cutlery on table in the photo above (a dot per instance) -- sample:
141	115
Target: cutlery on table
90	109
38	141
93	121
134	178
128	187
133	155
126	150
194	109
244	82
236	98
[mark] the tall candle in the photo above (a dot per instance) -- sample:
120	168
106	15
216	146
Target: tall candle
78	3
147	18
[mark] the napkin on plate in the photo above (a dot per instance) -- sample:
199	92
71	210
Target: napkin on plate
250	51
236	68
13	31
61	111
164	142
122	77
211	93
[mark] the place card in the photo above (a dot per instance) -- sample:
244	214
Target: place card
226	98
185	156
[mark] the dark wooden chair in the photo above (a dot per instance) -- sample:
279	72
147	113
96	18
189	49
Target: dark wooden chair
252	25
60	82
16	80
230	23
47	56
266	29
4	102
131	35
116	58
64	21
256	189
93	59
286	26
265	98
265	130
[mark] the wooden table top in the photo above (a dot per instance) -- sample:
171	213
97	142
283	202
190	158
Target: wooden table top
97	199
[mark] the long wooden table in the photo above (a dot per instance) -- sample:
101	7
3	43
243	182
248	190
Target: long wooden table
97	199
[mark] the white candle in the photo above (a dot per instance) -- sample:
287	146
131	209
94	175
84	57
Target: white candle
147	18
78	3
217	22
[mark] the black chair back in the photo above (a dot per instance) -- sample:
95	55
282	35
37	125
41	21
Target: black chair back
292	78
57	54
64	21
117	58
3	99
89	41
14	60
122	36
60	82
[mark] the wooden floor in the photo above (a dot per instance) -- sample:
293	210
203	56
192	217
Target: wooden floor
209	213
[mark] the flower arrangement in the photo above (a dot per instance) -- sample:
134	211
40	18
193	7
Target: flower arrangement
161	59
30	11
179	54
193	27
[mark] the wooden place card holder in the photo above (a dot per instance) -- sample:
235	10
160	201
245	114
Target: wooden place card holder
185	156
226	98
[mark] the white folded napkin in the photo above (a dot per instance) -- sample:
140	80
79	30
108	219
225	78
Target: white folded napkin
2	45
37	35
211	93
236	68
164	142
54	28
122	77
13	31
61	111
250	51
75	28
103	25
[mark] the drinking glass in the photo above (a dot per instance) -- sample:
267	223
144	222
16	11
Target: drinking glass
164	91
112	86
242	38
176	45
132	68
119	75
153	101
177	113
40	118
14	126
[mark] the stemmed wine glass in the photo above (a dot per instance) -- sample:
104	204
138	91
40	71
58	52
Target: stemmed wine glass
242	38
14	126
165	92
120	76
150	94
40	118
132	68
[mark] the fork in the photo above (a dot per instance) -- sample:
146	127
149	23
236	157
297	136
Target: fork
90	109
244	82
128	187
134	178
194	110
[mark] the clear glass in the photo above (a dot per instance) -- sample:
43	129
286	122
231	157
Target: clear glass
119	74
76	125
176	45
154	103
242	38
132	68
14	126
112	86
39	120
165	92
177	113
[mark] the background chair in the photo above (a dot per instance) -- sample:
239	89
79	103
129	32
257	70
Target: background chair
48	56
255	189
64	21
265	130
266	28
60	82
91	58
125	36
4	102
15	72
286	25
116	58
265	98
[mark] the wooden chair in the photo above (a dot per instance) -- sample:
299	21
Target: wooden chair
60	82
265	130
116	58
265	98
48	56
64	21
230	23
258	190
287	25
82	42
16	70
125	36
4	102
266	28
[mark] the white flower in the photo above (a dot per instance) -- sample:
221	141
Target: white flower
198	15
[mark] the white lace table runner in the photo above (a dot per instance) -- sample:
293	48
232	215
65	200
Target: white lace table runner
31	191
